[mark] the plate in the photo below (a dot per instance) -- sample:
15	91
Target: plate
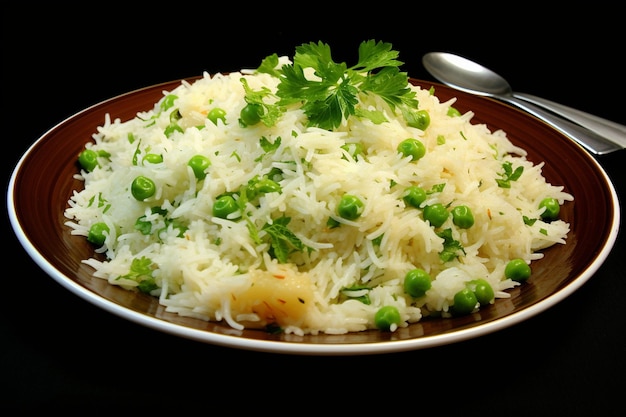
46	170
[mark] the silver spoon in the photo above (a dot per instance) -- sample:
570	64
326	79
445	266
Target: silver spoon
592	132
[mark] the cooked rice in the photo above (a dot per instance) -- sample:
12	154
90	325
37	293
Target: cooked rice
216	270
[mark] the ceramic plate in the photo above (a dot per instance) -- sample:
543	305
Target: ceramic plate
46	170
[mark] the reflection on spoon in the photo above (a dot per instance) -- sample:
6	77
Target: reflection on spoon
592	132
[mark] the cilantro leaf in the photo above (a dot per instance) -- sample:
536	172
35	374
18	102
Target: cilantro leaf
509	175
141	272
451	247
268	146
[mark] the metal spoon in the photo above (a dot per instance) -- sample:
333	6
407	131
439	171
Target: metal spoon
465	75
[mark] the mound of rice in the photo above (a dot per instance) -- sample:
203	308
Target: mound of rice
217	269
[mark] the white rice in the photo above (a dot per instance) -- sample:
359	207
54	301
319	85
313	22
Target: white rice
216	271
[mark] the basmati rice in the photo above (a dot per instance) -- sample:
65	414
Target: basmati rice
216	269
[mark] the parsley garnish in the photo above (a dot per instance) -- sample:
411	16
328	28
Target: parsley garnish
334	95
271	112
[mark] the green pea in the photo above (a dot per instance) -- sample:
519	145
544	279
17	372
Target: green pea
417	282
251	114
266	185
414	196
421	120
462	216
453	112
88	159
387	316
436	214
465	302
152	158
142	188
350	207
168	101
483	291
552	208
216	114
224	206
171	128
97	233
199	164
413	148
261	186
517	270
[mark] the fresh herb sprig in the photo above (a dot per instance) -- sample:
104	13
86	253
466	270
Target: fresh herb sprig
332	96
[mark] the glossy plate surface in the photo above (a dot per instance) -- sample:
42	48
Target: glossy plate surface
46	170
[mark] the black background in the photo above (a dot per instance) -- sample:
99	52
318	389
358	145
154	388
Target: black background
60	353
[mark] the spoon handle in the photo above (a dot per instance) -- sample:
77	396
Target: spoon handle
590	140
607	128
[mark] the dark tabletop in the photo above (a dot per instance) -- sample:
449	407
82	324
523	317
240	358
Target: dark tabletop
61	353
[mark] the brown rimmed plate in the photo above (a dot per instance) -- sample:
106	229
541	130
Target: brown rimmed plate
46	170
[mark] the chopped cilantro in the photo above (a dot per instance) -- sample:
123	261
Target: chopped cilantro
282	240
437	188
451	247
509	175
141	272
528	221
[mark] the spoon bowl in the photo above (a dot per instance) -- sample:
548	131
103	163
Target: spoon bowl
597	135
465	75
